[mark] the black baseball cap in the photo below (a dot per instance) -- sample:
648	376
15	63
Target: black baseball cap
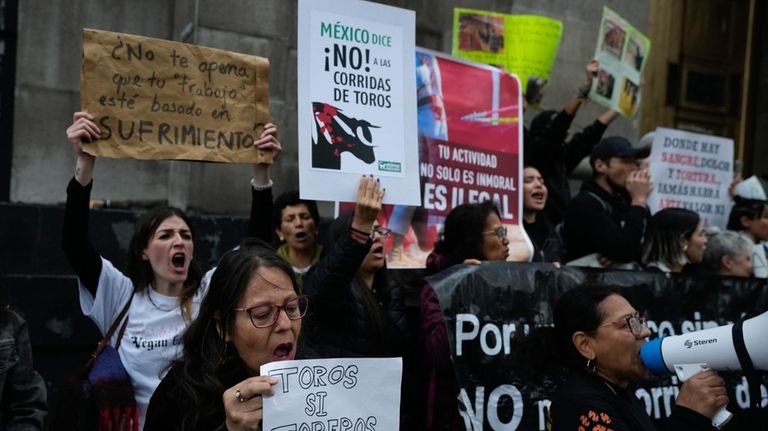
616	146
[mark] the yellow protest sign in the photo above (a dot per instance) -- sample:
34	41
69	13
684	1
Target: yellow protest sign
157	99
525	45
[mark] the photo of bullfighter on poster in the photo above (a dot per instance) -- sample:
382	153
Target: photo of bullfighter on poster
357	104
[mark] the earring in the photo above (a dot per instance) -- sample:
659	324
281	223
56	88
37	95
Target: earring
592	365
685	247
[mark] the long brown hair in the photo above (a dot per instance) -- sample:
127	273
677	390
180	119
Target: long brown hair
140	270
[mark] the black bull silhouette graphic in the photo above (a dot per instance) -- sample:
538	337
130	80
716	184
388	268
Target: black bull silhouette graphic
335	133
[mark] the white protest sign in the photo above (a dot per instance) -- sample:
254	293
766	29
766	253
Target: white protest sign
693	171
622	52
357	100
347	394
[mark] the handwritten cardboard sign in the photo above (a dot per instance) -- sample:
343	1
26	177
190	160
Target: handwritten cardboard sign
693	171
333	394
157	99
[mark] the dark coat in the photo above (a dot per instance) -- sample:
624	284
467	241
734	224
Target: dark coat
22	390
587	398
604	223
345	318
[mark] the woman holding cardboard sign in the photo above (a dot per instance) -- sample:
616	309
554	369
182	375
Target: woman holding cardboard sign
161	289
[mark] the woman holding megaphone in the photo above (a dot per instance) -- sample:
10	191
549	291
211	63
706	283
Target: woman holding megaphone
600	335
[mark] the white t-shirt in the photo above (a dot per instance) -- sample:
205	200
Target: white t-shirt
153	335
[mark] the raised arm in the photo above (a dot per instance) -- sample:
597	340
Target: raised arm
590	71
581	143
262	202
76	243
334	273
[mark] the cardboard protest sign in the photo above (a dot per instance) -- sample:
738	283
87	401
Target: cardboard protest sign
333	394
525	45
357	101
693	171
157	99
470	147
622	52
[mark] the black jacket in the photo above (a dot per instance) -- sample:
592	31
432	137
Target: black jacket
548	151
547	244
169	403
22	390
343	313
588	401
599	222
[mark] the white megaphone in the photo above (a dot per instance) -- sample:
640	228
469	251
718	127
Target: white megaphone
715	348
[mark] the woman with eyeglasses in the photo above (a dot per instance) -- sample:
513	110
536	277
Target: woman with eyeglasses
675	239
356	310
472	233
600	335
251	316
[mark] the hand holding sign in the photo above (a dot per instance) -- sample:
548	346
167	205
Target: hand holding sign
83	129
243	404
590	70
333	394
267	143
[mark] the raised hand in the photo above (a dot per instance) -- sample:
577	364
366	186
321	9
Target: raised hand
83	129
266	142
369	197
590	70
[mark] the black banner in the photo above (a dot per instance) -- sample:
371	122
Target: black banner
499	321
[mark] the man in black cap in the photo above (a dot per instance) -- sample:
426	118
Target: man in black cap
606	221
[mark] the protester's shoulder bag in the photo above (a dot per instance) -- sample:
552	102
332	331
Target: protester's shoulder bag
100	396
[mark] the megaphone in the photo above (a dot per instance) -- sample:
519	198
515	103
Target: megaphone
715	348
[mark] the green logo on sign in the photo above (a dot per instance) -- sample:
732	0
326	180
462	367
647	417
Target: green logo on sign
389	166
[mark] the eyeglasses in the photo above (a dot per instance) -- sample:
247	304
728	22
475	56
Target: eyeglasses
265	315
382	231
500	232
635	322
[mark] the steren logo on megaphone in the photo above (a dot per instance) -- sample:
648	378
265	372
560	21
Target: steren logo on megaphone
688	343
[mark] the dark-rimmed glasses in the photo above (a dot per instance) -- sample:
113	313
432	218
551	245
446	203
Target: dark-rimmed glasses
500	232
265	315
382	231
635	323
